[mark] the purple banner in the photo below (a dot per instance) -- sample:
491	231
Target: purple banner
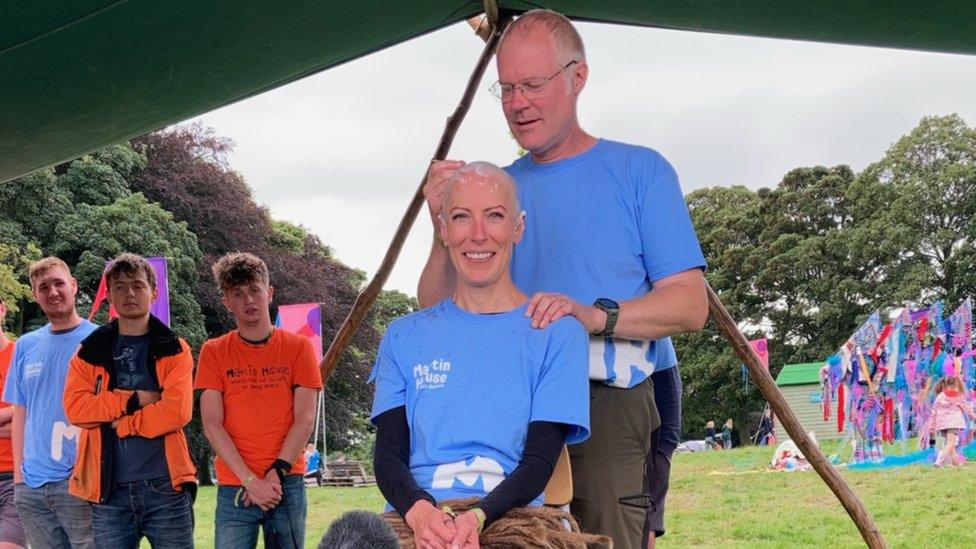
160	307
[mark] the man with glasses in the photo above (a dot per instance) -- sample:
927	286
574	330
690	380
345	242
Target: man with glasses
611	244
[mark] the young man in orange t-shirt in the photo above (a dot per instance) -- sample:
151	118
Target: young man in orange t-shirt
260	386
12	533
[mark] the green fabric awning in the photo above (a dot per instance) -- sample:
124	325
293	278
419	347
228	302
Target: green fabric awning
77	75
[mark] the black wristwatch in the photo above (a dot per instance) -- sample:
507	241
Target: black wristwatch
610	307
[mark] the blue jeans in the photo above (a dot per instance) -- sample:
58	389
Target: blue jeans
237	525
150	508
53	518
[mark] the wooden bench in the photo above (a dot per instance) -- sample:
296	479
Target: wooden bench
347	473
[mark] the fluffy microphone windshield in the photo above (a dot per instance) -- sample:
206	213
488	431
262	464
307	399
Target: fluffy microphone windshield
360	530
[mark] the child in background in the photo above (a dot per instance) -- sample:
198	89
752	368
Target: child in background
949	418
727	434
710	436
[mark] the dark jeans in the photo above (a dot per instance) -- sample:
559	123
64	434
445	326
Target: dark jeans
53	518
150	508
317	475
237	525
664	441
11	528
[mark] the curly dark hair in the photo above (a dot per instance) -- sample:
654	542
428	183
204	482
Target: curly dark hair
239	268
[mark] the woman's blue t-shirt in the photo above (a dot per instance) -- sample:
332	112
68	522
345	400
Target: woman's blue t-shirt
471	384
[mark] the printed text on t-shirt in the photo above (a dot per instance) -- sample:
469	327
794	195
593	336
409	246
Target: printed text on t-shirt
265	377
431	376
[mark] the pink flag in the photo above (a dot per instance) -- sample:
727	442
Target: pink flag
303	319
761	350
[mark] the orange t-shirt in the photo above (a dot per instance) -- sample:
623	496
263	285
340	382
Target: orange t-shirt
258	382
6	448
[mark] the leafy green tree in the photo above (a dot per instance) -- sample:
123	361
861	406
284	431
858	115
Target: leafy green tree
931	174
17	252
187	174
805	262
94	234
36	203
287	236
391	305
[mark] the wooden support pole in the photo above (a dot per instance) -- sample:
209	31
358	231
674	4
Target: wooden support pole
852	504
366	298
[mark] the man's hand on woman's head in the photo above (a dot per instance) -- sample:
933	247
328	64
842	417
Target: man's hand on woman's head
437	175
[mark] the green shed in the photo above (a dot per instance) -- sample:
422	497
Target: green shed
800	384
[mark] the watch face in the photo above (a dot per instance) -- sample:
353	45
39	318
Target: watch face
608	303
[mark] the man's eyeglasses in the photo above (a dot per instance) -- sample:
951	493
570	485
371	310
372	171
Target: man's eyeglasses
530	88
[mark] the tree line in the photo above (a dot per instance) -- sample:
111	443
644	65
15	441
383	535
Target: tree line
806	262
172	194
802	263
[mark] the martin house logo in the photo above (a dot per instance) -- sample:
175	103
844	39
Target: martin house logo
431	376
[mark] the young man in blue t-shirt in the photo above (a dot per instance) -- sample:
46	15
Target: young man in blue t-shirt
44	442
610	242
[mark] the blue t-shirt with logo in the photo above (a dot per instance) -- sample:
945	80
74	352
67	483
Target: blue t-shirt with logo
471	384
605	223
35	381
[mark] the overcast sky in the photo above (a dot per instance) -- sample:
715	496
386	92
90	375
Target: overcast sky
342	152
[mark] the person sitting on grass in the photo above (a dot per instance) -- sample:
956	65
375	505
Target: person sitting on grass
471	401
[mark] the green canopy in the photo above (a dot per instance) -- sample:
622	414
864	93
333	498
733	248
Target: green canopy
76	75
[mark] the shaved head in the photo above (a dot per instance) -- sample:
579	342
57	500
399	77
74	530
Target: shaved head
483	173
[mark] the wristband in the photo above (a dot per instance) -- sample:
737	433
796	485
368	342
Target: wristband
281	468
481	517
248	481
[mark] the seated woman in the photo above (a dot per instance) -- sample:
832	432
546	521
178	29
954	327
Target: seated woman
471	401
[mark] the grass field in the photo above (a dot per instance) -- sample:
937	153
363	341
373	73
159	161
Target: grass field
745	506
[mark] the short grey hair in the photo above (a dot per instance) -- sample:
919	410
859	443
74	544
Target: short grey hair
560	28
487	172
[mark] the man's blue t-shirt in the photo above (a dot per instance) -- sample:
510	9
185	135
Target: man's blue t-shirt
313	462
471	384
606	223
35	381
